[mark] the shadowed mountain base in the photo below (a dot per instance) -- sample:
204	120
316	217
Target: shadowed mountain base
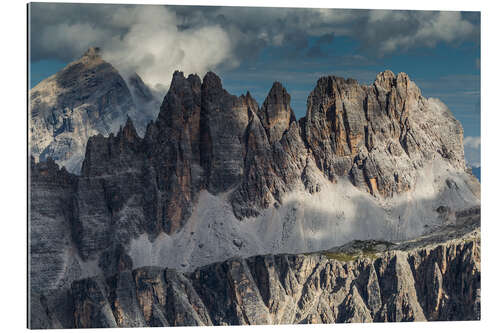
434	277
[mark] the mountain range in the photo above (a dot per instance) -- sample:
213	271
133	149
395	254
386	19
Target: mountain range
216	179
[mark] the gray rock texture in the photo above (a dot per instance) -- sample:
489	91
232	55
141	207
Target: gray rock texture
379	134
51	237
276	113
435	277
217	176
86	98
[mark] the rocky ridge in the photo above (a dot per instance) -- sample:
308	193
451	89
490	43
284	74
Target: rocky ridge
87	97
217	176
377	136
434	277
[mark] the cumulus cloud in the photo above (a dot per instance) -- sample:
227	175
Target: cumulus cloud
472	149
155	40
155	47
431	28
143	39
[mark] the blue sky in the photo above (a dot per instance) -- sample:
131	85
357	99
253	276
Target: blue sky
42	69
250	48
450	73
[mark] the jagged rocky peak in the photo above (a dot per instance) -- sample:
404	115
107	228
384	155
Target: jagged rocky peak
252	103
224	120
212	81
379	134
49	171
106	155
89	70
182	100
388	80
276	113
211	175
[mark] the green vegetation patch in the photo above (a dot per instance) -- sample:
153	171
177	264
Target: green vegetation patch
357	249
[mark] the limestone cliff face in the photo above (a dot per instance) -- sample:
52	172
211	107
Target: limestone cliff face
204	138
216	176
276	113
379	134
436	277
86	98
378	138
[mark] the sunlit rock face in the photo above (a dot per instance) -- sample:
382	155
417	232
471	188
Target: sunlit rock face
86	98
381	134
216	176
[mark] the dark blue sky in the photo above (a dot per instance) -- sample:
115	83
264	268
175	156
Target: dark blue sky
250	48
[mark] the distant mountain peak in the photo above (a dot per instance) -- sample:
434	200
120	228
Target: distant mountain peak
87	97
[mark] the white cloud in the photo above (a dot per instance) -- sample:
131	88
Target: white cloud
384	15
432	29
143	39
472	149
154	47
472	142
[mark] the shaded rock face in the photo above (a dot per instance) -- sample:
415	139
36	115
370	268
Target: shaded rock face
50	233
172	144
440	281
204	138
86	98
